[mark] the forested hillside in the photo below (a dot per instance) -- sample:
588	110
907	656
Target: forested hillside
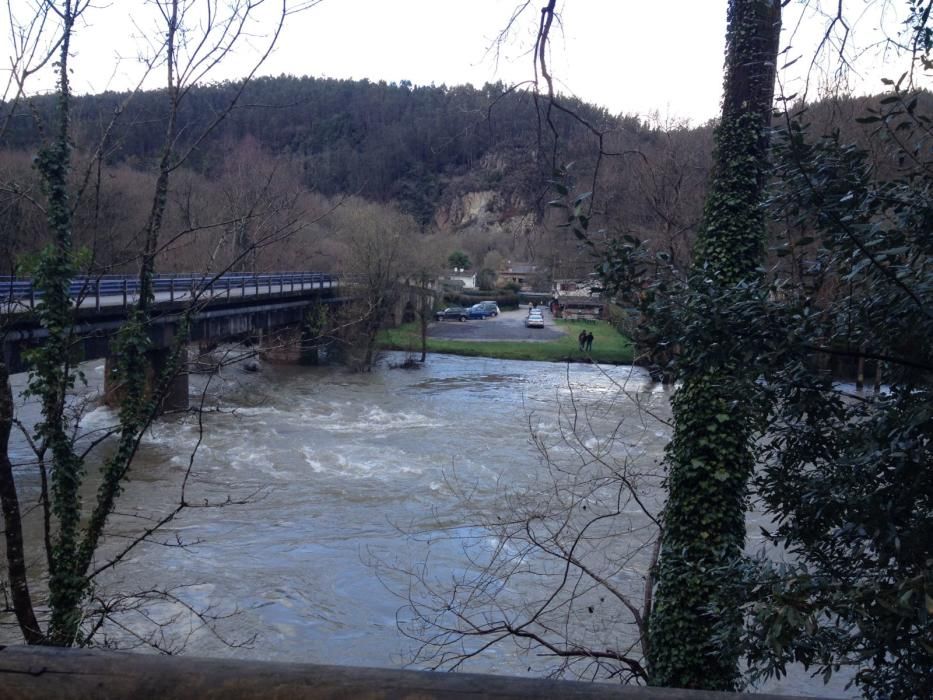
469	167
381	141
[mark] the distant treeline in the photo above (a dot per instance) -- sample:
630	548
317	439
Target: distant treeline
382	141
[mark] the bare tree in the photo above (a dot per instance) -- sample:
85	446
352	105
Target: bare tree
377	263
195	38
34	39
423	266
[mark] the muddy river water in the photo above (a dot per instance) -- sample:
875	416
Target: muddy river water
330	473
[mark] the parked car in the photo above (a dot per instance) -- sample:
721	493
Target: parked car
453	312
479	311
535	319
491	306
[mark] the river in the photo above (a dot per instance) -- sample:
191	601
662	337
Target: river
315	491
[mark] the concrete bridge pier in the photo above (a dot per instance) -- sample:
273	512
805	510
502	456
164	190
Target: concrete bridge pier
281	345
176	394
412	300
296	344
310	351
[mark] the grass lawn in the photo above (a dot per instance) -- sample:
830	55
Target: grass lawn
609	346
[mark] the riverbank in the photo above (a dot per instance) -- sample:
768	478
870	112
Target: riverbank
486	340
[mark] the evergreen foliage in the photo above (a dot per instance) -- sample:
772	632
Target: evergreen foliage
847	477
459	259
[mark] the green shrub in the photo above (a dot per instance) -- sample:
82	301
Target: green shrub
505	300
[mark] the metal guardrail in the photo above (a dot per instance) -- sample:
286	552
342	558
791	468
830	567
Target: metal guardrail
109	291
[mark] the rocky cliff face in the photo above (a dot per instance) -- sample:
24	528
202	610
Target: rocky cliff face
492	198
484	210
478	208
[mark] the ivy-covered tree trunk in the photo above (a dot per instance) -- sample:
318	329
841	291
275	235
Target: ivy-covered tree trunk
53	373
694	623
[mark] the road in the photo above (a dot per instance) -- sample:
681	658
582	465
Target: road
508	325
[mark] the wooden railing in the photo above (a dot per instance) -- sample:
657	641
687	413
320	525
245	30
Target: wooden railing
40	673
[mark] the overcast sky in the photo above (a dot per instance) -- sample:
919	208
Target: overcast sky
630	56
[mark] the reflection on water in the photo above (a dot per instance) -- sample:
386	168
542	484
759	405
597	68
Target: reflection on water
333	469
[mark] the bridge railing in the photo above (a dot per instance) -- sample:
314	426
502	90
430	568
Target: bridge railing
21	294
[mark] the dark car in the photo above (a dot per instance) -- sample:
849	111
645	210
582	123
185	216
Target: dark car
479	311
453	312
492	308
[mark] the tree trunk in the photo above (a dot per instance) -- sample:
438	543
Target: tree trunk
695	623
54	372
424	317
12	522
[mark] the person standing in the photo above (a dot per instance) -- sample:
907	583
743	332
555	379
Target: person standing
589	342
582	340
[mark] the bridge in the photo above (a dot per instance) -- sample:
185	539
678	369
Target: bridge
20	295
228	305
